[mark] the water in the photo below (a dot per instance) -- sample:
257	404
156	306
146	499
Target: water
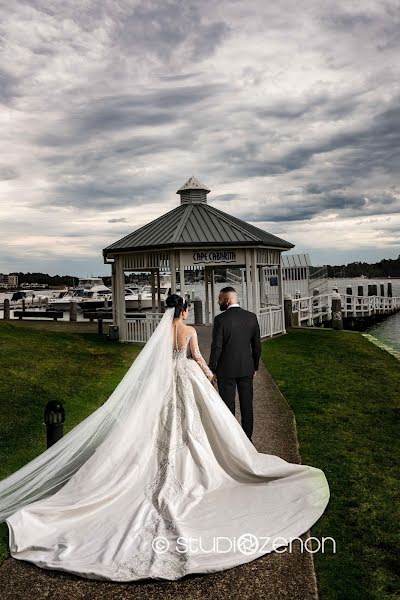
388	330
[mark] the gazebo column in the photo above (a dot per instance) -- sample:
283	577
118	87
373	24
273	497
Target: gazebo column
172	266
153	291
207	297
281	292
181	274
158	290
212	296
244	288
249	298
114	292
119	300
255	282
261	286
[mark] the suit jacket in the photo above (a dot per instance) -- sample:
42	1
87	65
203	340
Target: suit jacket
236	346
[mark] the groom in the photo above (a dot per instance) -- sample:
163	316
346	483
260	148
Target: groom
235	355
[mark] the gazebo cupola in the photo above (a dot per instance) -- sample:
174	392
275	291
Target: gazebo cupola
193	191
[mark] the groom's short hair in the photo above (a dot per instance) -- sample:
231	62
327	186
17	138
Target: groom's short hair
227	289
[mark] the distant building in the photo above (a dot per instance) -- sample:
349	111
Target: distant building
9	281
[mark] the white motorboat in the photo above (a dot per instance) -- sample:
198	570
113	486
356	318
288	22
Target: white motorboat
95	297
90	282
147	300
98	296
141	299
31	297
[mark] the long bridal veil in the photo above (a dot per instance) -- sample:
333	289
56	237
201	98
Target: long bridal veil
149	374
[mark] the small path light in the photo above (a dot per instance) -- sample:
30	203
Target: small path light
54	417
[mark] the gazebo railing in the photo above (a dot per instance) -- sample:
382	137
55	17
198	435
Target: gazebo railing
139	329
270	321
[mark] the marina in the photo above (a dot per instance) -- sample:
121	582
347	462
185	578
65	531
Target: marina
311	310
196	250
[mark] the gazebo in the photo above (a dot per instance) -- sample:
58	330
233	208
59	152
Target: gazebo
196	235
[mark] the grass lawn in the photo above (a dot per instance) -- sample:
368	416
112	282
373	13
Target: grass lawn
42	361
344	392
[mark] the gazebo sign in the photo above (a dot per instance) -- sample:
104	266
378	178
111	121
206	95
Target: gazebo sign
214	256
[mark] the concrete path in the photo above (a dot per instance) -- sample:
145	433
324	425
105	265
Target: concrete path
275	576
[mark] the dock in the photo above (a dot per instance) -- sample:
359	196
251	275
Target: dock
356	311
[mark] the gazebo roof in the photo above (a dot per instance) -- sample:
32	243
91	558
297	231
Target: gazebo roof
195	223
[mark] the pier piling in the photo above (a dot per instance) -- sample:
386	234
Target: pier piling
6	313
337	317
73	311
288	310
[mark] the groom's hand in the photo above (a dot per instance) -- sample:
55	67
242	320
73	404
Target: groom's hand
214	379
255	373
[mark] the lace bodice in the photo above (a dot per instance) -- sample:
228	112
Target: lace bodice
189	348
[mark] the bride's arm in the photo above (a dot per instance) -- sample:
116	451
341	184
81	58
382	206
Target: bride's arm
195	352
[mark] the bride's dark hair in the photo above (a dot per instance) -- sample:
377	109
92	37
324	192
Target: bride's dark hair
177	302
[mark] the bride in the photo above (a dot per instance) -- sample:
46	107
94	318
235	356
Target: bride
160	481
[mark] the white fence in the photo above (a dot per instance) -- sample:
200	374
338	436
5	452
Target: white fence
310	308
367	305
271	321
139	329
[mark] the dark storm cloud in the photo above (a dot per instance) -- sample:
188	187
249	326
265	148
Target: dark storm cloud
374	144
225	197
346	204
9	85
8	172
161	27
115	113
318	188
103	195
181	77
348	22
291	109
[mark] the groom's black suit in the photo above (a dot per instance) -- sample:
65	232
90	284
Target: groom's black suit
235	355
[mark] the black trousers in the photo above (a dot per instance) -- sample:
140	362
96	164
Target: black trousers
227	391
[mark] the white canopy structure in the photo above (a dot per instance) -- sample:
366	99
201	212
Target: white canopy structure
196	235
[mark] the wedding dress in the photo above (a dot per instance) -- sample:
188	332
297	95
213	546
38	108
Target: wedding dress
159	482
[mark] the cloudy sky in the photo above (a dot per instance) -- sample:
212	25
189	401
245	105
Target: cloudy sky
288	111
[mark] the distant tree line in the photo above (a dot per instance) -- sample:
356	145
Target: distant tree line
387	267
